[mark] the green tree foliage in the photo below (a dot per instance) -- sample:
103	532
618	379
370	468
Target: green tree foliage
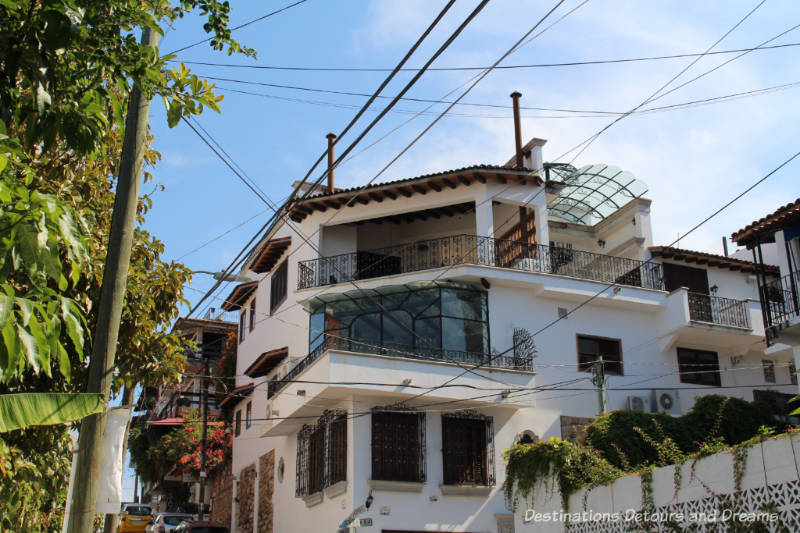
66	68
34	464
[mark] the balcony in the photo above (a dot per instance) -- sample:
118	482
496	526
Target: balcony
719	311
700	319
476	250
506	362
781	307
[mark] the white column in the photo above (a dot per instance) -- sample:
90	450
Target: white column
484	217
542	229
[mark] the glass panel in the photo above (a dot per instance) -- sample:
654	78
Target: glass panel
316	327
428	334
424	303
367	328
397	328
464	335
463	304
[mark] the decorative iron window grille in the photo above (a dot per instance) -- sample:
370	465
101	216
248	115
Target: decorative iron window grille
322	453
524	348
468	449
398	445
769	370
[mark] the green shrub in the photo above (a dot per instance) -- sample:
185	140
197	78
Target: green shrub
634	439
539	464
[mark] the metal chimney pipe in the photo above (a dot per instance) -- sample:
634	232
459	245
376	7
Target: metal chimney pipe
517	128
331	138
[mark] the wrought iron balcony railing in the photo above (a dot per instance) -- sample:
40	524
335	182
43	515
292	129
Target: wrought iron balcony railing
510	361
486	251
718	310
780	299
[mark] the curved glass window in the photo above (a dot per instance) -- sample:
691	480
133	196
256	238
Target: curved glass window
433	319
590	194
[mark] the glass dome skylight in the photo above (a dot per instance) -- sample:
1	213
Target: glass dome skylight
592	193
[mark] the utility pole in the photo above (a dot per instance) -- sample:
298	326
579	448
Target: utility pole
204	392
599	379
112	295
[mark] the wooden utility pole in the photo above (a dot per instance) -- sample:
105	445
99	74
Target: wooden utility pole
600	383
112	295
203	475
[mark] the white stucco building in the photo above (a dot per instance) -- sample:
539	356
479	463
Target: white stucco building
778	234
371	307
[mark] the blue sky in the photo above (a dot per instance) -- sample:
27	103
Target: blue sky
693	160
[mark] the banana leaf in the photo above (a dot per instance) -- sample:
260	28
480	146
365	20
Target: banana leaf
18	411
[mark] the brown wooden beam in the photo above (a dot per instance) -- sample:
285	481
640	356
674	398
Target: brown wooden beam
449	183
335	204
390	194
375	196
405	192
361	200
320	206
420	189
480	177
463	179
434	186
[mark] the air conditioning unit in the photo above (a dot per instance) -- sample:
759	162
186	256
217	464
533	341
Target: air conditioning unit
638	403
666	401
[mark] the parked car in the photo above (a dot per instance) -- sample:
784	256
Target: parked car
201	527
134	517
166	522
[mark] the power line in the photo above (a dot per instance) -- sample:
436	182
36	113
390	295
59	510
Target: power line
239	259
649	261
576	113
207	39
501	67
655	96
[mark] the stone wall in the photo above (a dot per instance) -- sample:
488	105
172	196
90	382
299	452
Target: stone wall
245	493
572	427
266	487
221	485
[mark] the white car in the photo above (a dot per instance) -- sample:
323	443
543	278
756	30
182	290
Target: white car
165	522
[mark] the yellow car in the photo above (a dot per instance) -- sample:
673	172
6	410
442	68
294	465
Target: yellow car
134	518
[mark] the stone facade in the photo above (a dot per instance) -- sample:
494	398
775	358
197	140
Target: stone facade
572	427
221	484
266	487
245	494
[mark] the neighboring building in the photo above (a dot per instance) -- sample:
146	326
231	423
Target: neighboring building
372	305
780	298
168	406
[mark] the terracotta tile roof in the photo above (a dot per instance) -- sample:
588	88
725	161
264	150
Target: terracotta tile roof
437	182
266	258
712	260
238	295
266	362
767	226
237	394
